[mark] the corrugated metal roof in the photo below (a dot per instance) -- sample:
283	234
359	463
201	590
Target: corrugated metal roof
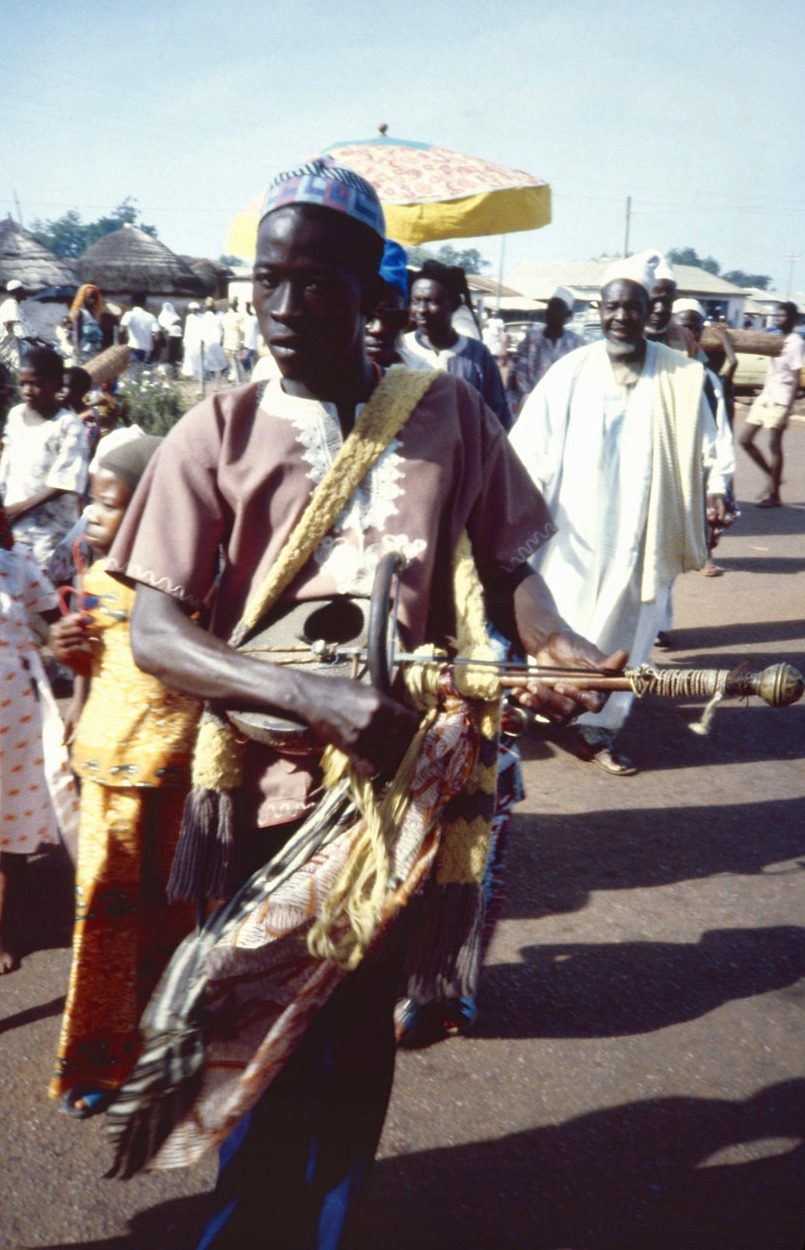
539	279
769	298
490	286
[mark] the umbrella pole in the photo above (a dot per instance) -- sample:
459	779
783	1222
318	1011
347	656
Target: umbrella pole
500	270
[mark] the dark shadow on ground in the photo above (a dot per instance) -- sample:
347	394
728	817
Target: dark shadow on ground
556	862
702	637
697	655
174	1225
627	988
659	736
766	564
667	1174
47	901
766	522
32	1014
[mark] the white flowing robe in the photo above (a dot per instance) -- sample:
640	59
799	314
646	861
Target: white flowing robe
191	359
588	442
212	333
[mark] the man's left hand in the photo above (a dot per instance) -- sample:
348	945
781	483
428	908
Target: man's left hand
561	702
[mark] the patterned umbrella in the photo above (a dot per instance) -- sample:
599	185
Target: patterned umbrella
429	193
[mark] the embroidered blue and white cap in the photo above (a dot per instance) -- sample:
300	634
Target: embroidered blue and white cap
322	181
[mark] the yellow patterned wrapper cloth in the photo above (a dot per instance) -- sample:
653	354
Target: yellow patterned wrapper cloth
133	730
132	751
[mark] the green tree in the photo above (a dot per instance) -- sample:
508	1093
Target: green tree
469	258
689	256
740	278
68	236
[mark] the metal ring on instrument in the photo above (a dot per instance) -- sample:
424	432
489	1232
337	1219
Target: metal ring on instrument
382	618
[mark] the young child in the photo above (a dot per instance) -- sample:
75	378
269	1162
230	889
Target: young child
73	395
76	384
132	747
43	469
35	775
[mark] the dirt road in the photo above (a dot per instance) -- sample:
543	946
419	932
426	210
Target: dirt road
636	1078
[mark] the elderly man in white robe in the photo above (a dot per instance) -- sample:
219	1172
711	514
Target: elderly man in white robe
620	439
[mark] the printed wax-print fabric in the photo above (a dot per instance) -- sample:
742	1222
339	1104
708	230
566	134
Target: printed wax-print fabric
28	772
133	730
264	988
125	930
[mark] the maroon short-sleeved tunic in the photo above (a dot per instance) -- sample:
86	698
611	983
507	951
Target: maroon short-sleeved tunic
233	477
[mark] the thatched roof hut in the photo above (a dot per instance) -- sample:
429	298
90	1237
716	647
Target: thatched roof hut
212	273
129	260
23	257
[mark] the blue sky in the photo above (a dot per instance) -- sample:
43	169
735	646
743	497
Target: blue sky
694	110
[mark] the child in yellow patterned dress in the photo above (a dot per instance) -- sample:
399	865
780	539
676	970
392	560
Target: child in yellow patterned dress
132	743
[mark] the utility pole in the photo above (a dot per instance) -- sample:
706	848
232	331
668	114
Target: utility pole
626	226
792	260
19	210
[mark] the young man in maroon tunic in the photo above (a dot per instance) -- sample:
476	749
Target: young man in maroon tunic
225	492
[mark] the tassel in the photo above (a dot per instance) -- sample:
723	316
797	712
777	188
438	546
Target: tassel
204	862
703	726
444	947
220	875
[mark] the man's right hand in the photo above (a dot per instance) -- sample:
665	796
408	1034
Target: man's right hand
371	728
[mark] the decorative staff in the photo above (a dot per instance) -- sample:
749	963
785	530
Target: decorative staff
352	636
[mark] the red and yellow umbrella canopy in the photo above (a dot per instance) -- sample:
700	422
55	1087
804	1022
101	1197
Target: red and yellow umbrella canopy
429	193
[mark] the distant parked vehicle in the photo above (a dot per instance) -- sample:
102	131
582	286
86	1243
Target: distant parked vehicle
751	372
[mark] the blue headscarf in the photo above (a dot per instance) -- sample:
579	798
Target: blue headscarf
394	266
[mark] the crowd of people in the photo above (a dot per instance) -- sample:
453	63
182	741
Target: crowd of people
317	903
218	339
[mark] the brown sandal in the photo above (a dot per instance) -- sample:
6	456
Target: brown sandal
612	762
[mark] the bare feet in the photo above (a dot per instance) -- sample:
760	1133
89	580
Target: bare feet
11	867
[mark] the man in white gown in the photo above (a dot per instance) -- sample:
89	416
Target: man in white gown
619	437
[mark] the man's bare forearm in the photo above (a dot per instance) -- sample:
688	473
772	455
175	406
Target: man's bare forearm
175	649
536	614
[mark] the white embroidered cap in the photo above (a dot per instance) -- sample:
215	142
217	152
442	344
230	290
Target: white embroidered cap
688	305
640	268
664	271
566	296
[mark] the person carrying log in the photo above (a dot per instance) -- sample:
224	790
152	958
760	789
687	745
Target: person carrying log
773	406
